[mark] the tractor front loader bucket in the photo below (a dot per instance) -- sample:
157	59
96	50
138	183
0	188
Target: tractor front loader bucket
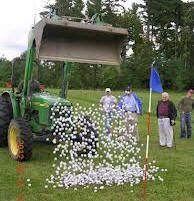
63	40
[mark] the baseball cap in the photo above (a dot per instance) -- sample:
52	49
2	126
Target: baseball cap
191	91
128	88
107	90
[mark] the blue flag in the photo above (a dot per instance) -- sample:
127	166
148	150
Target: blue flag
155	83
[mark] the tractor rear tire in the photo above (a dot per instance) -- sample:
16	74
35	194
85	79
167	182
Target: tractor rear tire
5	118
20	140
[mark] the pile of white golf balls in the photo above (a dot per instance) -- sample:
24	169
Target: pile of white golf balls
85	155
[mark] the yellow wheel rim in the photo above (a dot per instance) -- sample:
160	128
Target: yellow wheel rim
13	140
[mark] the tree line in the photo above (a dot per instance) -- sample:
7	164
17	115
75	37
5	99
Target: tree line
160	31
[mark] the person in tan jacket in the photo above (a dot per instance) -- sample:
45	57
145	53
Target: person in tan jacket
185	107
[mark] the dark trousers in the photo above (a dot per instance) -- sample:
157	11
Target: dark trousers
185	125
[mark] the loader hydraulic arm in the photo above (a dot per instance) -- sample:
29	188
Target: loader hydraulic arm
66	77
28	73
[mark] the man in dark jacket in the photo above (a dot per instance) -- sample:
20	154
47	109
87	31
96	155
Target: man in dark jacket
166	114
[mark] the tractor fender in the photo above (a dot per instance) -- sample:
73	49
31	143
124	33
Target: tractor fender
14	103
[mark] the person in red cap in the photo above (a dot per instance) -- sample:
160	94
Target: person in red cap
185	107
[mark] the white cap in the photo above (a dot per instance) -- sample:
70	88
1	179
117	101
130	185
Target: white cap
107	90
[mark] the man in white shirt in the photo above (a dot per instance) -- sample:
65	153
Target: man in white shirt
108	103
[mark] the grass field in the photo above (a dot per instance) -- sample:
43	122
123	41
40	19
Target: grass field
178	182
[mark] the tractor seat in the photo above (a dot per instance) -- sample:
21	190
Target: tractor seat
35	87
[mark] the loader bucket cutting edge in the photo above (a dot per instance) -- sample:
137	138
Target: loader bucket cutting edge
78	42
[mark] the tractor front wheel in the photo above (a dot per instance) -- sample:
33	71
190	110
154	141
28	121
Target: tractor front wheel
20	140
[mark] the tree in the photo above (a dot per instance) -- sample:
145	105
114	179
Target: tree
72	8
112	9
5	69
93	7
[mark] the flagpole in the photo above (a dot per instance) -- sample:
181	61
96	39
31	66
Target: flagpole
147	144
150	101
155	85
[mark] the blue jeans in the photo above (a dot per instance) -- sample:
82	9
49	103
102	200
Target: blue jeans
185	125
108	122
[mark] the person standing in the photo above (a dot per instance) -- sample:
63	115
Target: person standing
185	107
166	114
108	103
130	106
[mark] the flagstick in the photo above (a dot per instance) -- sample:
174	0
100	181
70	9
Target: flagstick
150	101
147	146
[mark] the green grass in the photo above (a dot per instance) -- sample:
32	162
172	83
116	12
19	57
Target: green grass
178	181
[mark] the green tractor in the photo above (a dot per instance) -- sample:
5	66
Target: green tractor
25	112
